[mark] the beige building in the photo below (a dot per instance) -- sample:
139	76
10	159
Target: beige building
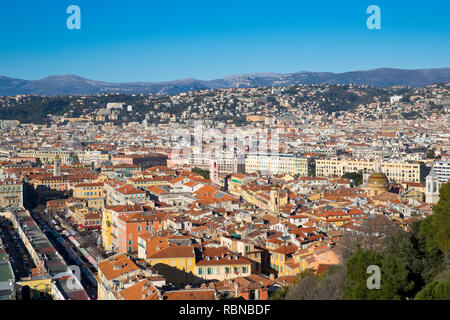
395	171
47	156
11	192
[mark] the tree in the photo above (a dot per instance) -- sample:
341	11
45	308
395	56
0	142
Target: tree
303	285
356	282
203	173
280	294
435	291
436	228
357	177
441	219
369	236
394	277
431	154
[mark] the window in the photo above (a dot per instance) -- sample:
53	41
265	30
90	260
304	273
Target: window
209	271
227	270
200	271
244	269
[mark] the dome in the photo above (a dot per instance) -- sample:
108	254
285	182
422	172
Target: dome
378	178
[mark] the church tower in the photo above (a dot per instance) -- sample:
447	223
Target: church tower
213	171
57	167
274	204
432	188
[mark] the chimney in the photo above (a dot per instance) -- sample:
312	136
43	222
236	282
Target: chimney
272	277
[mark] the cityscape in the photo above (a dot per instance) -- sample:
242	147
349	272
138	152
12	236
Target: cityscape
251	187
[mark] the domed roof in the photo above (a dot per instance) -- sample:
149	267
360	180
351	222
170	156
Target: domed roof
378	178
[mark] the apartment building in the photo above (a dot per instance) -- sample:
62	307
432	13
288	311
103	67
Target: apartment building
278	164
11	192
47	155
442	170
221	264
226	163
395	171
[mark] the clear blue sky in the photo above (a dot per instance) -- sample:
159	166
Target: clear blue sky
160	40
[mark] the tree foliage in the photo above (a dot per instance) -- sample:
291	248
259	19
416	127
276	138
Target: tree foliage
203	173
357	177
435	291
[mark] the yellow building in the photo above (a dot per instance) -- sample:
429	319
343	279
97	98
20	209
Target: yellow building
88	190
39	289
180	257
235	183
107	229
143	183
377	184
93	193
280	256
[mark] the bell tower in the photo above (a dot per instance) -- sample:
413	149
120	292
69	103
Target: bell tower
57	167
214	171
432	188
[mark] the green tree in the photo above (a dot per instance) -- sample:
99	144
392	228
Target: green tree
280	294
431	154
394	277
356	282
435	291
203	173
441	219
357	177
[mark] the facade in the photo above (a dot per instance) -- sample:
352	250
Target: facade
47	156
433	184
395	171
11	192
226	163
85	218
180	257
442	170
110	218
222	264
278	164
144	161
130	227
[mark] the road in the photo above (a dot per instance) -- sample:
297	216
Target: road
21	261
45	220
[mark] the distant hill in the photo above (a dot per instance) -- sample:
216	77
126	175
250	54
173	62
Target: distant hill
71	84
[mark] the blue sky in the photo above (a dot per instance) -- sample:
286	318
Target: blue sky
160	40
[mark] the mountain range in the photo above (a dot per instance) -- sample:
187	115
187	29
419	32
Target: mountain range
72	84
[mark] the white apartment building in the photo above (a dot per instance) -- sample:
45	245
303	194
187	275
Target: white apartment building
226	163
442	170
277	163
